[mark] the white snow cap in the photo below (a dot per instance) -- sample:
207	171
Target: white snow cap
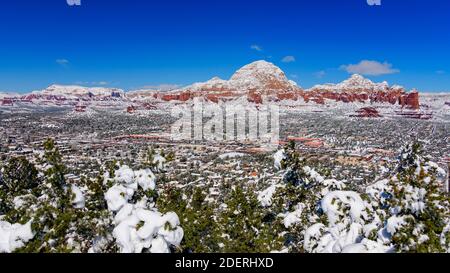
75	91
354	83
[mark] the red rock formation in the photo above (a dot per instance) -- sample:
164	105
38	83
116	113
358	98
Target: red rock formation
318	100
131	109
255	98
212	98
185	96
367	112
80	108
412	100
171	97
314	144
148	106
262	79
287	96
7	102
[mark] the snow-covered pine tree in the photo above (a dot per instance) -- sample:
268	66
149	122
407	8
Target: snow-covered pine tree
297	200
243	225
108	214
418	206
196	217
138	225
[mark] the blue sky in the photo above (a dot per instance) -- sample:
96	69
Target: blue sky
137	43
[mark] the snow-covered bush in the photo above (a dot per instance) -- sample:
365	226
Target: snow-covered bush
40	211
14	236
19	175
139	226
245	227
201	234
418	207
54	209
407	213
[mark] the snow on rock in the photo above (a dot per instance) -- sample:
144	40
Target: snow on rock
261	76
74	91
355	83
13	236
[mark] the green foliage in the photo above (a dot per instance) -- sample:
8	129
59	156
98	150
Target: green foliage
19	176
58	226
196	217
424	226
243	226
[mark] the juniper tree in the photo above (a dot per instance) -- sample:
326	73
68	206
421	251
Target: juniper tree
243	225
196	216
57	225
296	201
419	204
19	176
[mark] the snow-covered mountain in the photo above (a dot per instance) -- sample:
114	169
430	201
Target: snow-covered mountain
257	82
8	95
142	94
74	92
261	77
359	89
357	83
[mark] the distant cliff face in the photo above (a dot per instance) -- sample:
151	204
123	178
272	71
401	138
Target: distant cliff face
263	81
254	80
259	82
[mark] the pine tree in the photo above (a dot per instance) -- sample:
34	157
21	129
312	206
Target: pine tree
196	216
419	209
244	226
19	176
